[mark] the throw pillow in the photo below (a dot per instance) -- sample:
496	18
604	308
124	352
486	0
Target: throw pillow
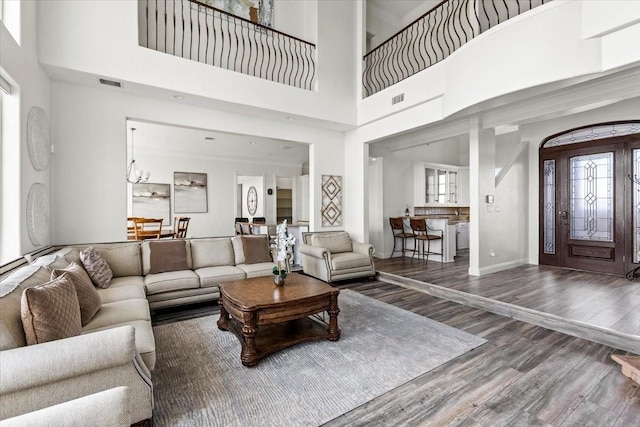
256	249
50	311
168	255
88	296
96	267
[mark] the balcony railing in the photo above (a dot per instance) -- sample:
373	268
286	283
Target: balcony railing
199	32
434	36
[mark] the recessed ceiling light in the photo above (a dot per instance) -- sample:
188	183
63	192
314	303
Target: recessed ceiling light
252	142
286	147
291	118
178	97
209	138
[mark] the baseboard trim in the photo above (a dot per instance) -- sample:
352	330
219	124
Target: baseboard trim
571	327
502	266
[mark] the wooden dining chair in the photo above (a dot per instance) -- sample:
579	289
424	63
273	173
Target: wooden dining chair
180	223
397	228
424	233
147	228
131	226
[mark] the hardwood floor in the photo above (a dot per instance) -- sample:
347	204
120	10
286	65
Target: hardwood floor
525	375
598	307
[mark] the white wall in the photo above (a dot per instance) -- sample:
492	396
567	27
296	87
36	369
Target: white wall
89	125
100	38
32	88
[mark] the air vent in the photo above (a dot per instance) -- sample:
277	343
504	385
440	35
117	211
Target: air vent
397	99
110	83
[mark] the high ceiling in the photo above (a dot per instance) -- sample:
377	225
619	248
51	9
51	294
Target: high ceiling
396	8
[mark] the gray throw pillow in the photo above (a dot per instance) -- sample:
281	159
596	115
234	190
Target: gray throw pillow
96	267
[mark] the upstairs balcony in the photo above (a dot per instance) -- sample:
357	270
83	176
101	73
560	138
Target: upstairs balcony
433	37
202	33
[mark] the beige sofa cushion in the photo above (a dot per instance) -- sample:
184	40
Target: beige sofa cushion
257	270
96	267
238	251
212	252
123	288
171	281
167	255
117	312
123	258
333	242
145	251
346	260
87	295
50	311
11	287
211	276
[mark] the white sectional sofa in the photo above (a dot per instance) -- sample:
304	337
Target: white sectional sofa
116	347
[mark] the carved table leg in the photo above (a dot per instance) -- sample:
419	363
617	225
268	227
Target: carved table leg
223	320
249	331
334	331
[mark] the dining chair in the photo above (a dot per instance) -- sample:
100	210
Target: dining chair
423	233
238	225
397	228
147	228
180	223
131	226
259	220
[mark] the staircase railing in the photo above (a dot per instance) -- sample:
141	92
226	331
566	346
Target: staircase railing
199	32
433	37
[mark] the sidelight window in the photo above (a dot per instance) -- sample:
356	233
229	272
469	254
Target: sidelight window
549	206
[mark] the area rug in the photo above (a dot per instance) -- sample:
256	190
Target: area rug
200	381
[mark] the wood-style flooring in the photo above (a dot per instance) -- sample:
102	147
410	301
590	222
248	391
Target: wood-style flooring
525	375
598	307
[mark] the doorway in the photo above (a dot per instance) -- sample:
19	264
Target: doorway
588	205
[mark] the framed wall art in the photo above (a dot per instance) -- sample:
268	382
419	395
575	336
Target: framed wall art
152	201
190	192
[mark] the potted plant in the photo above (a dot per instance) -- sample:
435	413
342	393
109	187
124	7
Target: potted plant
283	242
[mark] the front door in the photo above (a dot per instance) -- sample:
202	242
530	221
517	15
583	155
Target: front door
585	213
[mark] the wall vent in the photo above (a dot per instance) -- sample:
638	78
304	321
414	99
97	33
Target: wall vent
396	99
110	83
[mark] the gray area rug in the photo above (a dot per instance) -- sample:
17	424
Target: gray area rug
200	381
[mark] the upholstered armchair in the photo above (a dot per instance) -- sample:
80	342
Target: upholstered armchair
333	256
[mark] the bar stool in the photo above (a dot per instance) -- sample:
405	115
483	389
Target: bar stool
424	233
397	228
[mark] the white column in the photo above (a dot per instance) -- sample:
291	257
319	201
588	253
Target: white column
356	189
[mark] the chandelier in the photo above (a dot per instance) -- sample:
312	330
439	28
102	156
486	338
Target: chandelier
134	175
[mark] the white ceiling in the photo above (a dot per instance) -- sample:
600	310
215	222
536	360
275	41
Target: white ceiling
397	8
185	141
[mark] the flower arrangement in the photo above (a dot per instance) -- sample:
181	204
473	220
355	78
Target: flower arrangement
283	242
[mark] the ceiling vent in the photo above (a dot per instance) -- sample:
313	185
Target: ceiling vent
397	99
110	83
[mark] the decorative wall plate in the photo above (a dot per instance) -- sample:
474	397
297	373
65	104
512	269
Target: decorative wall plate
38	138
38	213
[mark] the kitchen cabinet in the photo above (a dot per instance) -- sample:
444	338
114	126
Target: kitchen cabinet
463	235
440	185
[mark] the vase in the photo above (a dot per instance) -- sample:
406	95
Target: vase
278	280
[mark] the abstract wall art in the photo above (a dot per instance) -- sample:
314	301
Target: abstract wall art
152	201
190	192
331	200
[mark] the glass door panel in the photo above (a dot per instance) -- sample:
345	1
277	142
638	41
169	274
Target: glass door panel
636	205
591	197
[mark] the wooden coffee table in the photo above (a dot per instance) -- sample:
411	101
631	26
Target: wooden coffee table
267	318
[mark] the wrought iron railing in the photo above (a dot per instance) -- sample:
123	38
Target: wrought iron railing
434	36
202	33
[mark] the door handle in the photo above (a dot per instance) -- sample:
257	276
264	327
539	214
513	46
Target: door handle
563	214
